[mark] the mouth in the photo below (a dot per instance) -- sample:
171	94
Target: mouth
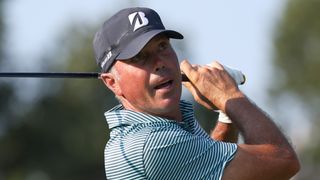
165	85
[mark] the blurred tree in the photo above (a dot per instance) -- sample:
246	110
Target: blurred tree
298	60
64	134
6	89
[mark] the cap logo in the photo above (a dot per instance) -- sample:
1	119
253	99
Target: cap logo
108	56
138	20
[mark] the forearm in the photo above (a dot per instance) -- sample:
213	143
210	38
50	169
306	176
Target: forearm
264	143
226	132
255	126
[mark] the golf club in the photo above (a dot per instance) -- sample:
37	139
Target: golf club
93	75
236	74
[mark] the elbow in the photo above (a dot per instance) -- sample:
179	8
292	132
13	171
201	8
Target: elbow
285	163
292	164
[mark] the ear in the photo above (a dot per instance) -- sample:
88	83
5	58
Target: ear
111	82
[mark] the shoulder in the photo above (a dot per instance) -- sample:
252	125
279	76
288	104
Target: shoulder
124	152
180	154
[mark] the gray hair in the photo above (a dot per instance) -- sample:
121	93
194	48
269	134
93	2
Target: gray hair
116	75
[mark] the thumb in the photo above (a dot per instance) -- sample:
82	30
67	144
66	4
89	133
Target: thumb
198	97
189	70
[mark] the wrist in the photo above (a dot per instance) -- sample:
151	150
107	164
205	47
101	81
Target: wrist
223	117
221	104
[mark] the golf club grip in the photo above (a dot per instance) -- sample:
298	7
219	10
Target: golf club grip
237	75
93	75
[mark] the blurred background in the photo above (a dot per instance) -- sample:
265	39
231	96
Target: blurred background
55	128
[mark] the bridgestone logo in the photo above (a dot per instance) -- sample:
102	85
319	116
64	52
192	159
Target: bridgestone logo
109	55
138	20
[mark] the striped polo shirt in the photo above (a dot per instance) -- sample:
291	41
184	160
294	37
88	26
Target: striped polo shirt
142	146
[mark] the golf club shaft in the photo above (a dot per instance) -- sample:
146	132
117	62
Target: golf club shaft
58	75
93	75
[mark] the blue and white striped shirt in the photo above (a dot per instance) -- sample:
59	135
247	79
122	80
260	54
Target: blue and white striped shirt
142	146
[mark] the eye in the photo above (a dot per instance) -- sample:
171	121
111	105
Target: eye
163	45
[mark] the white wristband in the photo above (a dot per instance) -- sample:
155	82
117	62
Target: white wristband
223	117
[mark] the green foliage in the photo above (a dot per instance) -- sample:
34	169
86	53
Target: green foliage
298	48
298	59
64	134
6	89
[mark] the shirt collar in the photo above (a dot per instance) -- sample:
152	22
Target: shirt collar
119	116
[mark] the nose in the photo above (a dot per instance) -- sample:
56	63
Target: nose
159	62
159	68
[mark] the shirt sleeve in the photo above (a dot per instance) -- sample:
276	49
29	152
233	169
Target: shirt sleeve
172	153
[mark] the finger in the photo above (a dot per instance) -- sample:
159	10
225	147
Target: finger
195	93
189	86
189	70
198	97
217	65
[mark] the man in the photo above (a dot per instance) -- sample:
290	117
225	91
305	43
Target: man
154	134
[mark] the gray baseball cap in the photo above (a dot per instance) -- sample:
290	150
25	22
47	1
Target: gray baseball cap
125	34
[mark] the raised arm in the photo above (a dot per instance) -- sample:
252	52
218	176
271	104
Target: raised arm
266	153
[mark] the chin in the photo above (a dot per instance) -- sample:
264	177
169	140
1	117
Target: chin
169	104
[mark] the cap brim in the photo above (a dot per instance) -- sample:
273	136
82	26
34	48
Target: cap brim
137	44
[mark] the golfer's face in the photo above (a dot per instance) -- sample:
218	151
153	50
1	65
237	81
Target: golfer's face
151	81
